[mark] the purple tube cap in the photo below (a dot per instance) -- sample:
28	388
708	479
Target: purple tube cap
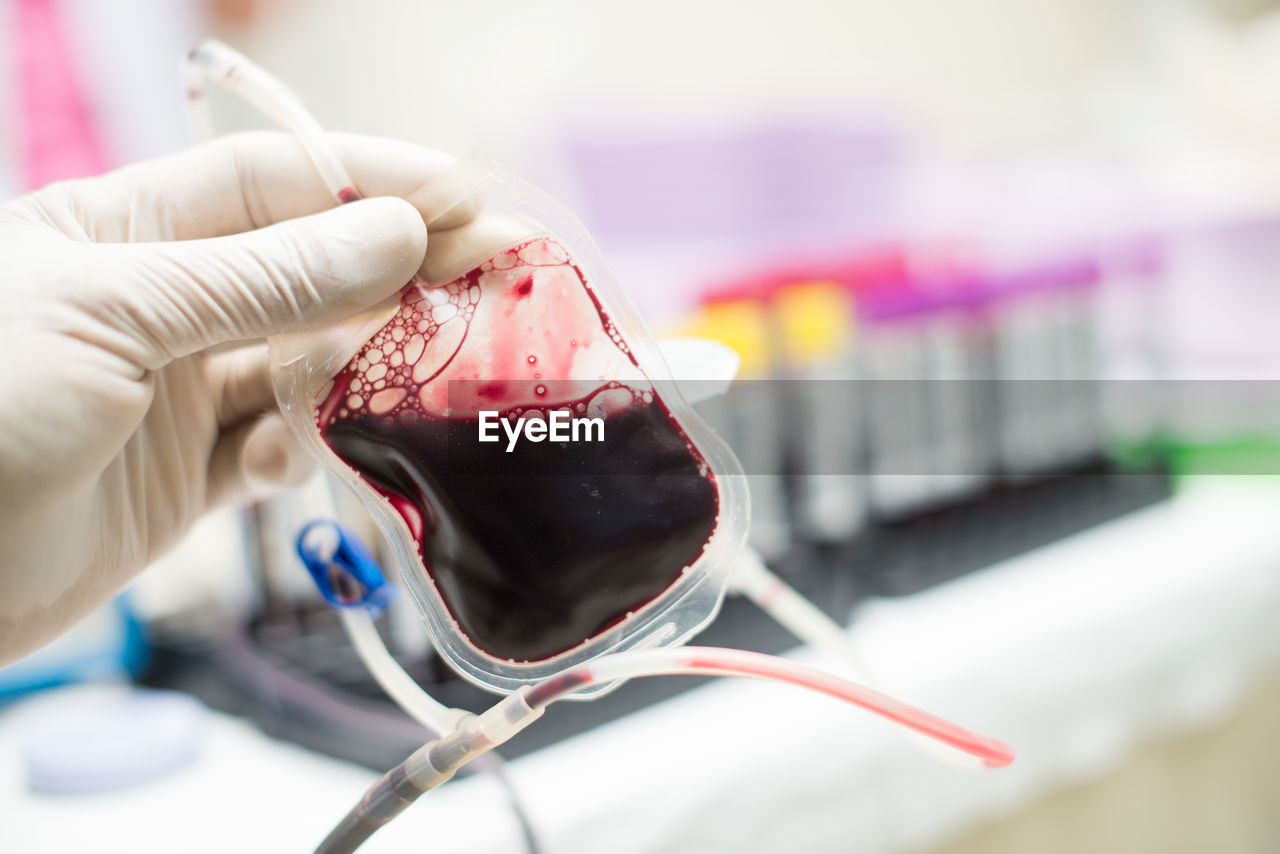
1060	274
925	295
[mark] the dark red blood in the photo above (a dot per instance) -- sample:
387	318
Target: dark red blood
348	194
525	287
558	686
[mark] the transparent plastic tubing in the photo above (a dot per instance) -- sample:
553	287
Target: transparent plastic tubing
792	611
358	624
391	677
437	718
213	60
438	761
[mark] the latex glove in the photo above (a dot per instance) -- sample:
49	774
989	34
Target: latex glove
125	416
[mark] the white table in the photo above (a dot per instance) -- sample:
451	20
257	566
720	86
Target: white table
1074	653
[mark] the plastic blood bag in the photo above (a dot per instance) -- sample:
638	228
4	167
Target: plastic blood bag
534	544
549	493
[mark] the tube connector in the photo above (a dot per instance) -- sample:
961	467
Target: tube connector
433	763
503	720
427	767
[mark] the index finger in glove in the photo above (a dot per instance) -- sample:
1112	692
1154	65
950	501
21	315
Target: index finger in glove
246	181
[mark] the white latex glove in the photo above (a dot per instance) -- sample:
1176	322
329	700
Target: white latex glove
125	415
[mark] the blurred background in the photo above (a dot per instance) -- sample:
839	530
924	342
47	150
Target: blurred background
1004	276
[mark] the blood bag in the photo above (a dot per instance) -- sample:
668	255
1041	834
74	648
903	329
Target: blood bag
510	424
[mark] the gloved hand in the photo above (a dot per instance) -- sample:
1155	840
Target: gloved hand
126	415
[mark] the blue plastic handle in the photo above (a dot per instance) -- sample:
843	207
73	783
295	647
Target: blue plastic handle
347	576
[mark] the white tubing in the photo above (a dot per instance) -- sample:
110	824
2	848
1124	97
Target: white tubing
215	61
794	612
388	673
323	540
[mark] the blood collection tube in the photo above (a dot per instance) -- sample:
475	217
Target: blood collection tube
817	341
